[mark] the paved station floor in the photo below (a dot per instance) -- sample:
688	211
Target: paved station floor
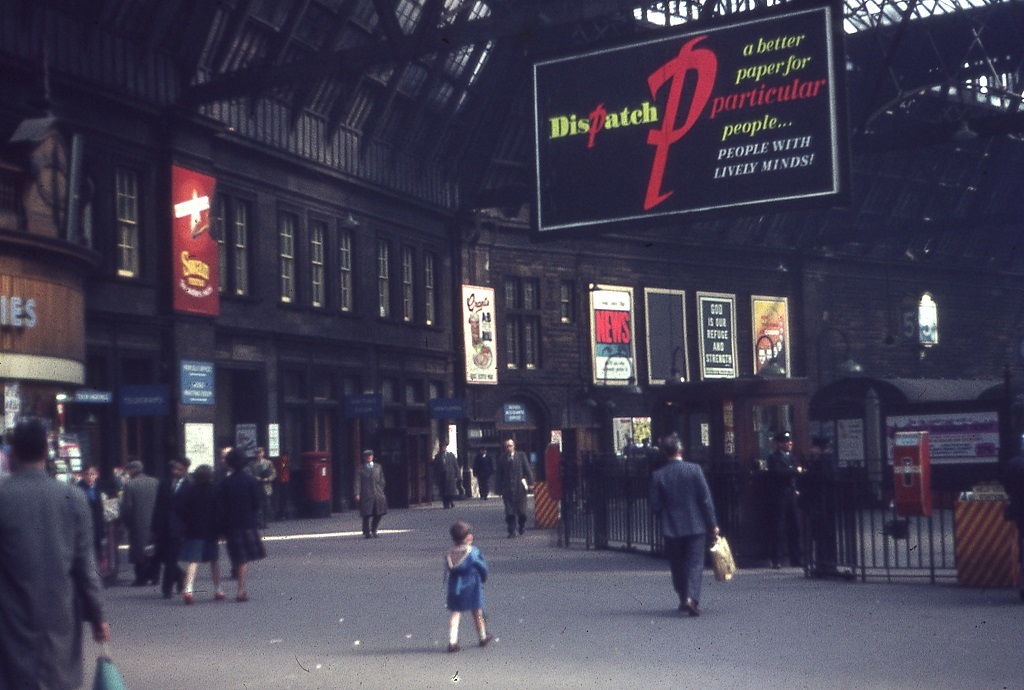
329	609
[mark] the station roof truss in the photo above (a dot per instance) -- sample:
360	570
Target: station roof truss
442	88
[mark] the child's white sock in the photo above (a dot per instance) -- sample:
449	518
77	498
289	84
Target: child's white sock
453	634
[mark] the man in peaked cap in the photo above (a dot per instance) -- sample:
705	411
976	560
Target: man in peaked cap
783	470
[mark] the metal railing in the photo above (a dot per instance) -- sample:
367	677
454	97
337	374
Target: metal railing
848	529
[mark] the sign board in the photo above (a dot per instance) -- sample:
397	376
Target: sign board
514	413
955	438
478	330
273	440
744	113
144	401
717	329
246	439
197	387
368	406
850	440
199	448
447	408
94	397
194	251
613	335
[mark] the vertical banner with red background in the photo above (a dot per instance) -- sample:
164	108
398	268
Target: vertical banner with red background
193	248
613	335
771	332
737	114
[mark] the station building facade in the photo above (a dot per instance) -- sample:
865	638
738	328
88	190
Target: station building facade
330	325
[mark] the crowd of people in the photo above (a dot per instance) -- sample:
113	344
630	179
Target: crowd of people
52	537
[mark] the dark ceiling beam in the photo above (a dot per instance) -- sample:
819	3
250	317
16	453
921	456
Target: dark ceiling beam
386	103
920	135
519	23
232	34
388	19
304	93
885	70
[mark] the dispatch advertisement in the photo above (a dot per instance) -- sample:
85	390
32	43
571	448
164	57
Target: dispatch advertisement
478	329
738	114
717	314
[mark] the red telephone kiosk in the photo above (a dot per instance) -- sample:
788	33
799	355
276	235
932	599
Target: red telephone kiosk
912	474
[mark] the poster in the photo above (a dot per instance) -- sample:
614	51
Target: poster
612	335
194	251
273	440
667	356
850	440
717	328
199	448
478	330
746	112
770	326
246	440
956	438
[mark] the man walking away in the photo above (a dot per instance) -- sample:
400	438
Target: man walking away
681	498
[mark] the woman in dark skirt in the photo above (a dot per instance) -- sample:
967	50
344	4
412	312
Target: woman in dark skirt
241	496
199	513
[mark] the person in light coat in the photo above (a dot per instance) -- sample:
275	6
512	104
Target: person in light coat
48	580
137	505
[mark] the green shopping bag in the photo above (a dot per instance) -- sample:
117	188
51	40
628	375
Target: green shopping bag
107	675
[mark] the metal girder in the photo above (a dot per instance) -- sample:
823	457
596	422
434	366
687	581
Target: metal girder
526	16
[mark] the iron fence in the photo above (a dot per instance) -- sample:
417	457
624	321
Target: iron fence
849	529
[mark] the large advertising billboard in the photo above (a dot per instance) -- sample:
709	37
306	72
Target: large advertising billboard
194	250
736	115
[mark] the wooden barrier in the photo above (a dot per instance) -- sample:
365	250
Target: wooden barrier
987	546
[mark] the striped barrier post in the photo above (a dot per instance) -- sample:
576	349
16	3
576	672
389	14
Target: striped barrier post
545	507
986	545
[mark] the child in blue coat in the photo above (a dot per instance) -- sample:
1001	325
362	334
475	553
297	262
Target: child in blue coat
466	572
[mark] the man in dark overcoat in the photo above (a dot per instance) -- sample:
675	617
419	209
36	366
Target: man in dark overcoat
446	472
373	502
680	497
168	529
783	470
513	480
483	468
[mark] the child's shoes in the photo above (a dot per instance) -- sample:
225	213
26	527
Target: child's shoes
486	640
454	648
